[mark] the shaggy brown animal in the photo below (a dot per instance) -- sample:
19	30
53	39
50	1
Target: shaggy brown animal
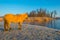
8	18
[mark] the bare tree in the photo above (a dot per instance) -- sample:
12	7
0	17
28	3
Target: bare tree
55	13
51	14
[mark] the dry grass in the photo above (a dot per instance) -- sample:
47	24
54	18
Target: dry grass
1	19
38	19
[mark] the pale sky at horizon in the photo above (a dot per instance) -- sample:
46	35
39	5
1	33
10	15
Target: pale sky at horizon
21	6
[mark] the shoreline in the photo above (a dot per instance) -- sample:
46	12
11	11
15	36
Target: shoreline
30	32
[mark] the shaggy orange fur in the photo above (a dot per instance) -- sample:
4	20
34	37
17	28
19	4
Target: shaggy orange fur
8	18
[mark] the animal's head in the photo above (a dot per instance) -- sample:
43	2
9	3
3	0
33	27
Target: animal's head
25	16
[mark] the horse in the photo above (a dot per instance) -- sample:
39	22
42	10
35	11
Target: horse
9	18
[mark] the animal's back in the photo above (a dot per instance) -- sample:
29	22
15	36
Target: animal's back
10	17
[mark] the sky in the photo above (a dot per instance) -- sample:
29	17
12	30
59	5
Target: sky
22	6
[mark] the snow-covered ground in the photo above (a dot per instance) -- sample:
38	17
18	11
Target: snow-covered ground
29	32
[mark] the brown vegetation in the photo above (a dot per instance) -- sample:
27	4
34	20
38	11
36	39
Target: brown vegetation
38	19
1	19
42	13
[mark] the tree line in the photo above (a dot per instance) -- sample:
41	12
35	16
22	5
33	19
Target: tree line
42	13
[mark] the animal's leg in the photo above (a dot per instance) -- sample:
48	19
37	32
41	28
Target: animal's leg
8	26
5	26
19	26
